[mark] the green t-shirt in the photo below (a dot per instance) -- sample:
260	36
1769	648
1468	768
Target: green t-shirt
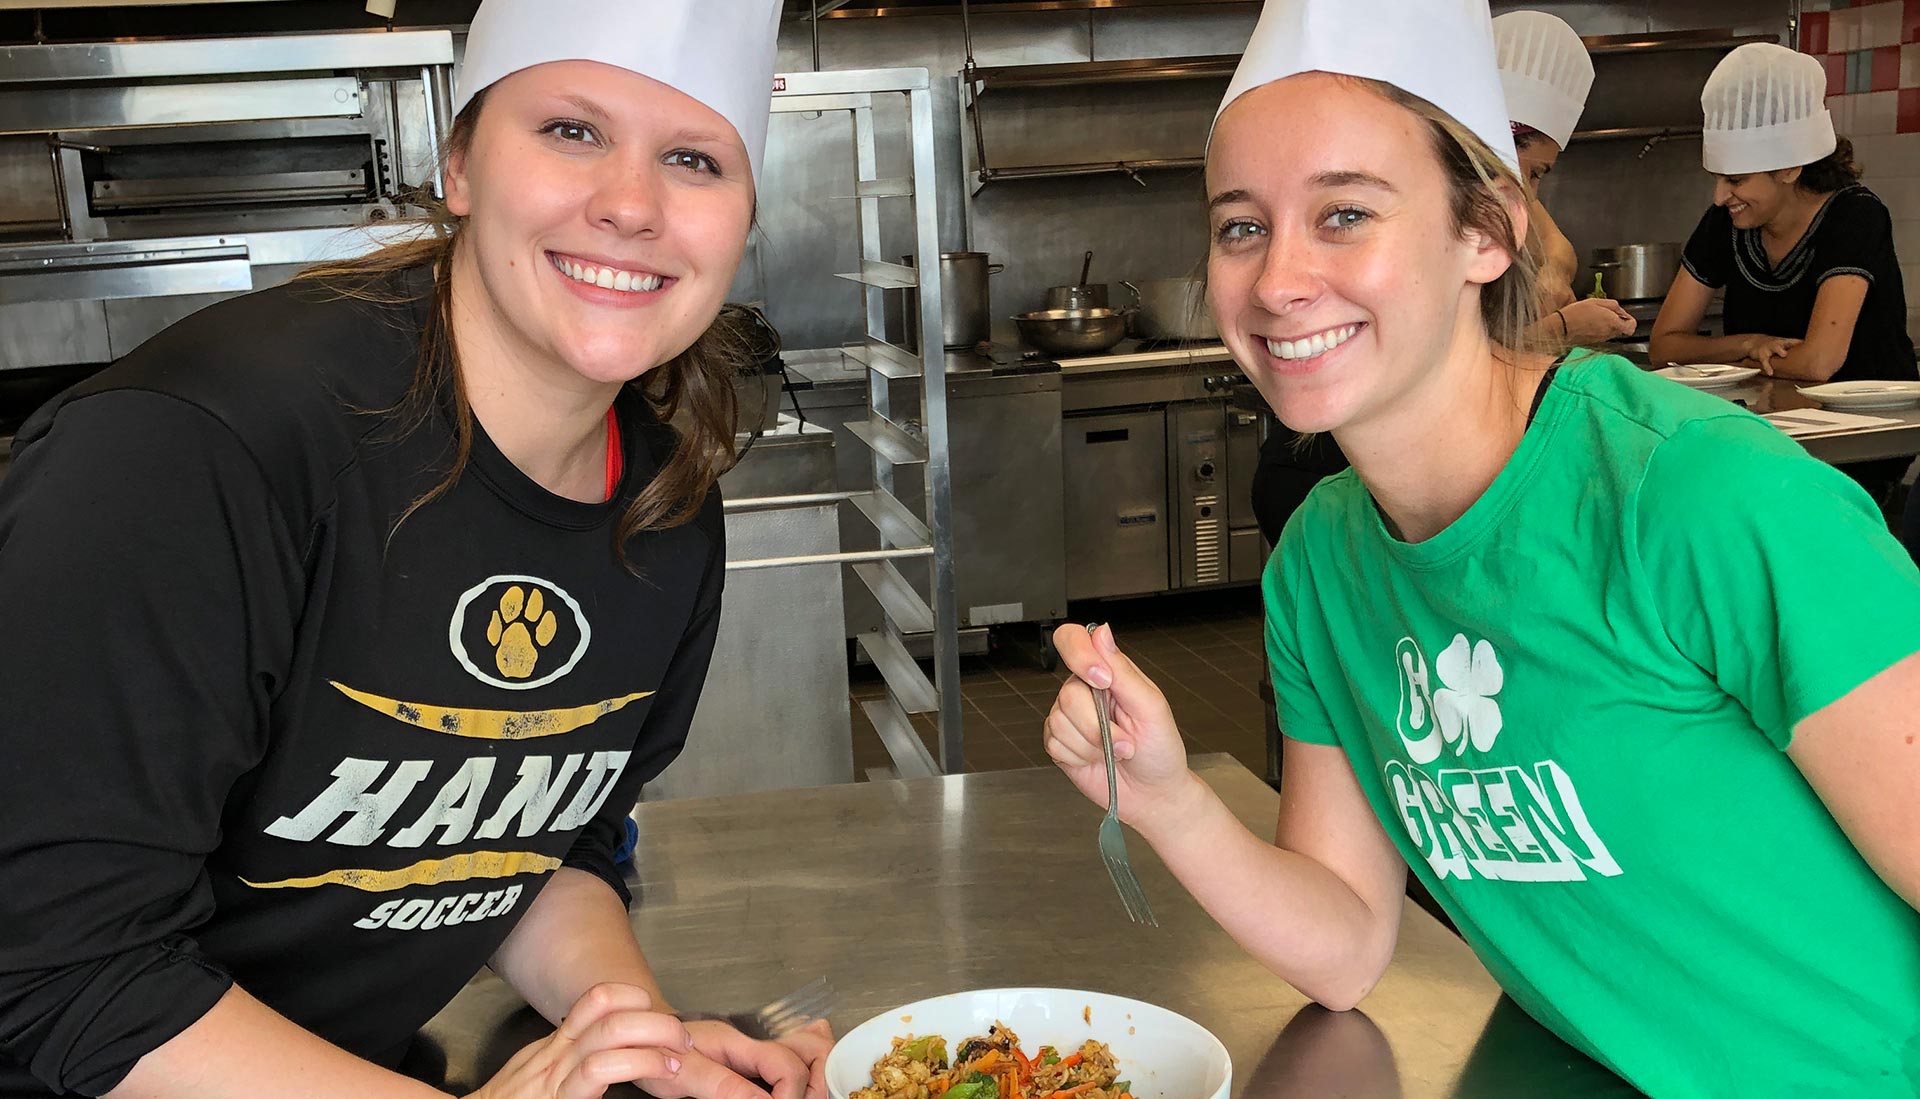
1570	708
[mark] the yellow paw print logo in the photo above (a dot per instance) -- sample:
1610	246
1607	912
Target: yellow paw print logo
519	630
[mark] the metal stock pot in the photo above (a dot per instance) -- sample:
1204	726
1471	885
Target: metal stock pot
1636	272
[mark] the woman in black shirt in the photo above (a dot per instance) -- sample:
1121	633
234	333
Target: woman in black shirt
1803	250
346	619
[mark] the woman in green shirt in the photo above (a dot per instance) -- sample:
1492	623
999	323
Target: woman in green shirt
1559	639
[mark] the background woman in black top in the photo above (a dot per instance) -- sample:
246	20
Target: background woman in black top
1805	253
347	618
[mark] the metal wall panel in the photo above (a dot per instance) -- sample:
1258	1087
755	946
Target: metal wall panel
27	194
806	232
55	333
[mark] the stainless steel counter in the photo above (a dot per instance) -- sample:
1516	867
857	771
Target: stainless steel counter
901	890
780	661
1899	439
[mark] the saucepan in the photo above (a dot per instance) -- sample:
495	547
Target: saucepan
1079	295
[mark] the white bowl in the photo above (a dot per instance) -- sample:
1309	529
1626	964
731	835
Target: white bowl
1163	1055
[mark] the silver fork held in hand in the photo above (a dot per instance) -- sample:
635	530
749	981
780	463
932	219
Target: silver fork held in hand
1113	841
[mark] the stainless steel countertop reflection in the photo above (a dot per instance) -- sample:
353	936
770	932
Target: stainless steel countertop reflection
902	890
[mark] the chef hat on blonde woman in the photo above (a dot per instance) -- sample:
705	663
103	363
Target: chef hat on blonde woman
1766	109
1544	70
720	52
1439	50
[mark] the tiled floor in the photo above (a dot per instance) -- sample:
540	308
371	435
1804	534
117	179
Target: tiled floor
1204	651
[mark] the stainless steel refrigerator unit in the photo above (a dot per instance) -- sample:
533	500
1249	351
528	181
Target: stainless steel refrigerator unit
145	179
1158	458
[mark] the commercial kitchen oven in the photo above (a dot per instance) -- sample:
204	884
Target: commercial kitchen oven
145	179
1158	460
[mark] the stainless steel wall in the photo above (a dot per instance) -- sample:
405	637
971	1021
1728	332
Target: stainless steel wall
1603	193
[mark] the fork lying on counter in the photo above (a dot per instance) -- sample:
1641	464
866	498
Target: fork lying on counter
777	1018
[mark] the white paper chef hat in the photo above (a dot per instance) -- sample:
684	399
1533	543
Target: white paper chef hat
1439	50
720	52
1766	109
1544	70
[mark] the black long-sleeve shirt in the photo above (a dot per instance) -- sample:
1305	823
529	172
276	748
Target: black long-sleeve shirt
252	732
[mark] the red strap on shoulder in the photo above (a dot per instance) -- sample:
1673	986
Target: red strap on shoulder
616	462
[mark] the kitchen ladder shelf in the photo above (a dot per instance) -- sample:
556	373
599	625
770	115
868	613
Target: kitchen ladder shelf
902	442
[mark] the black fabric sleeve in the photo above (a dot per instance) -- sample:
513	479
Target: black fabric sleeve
665	731
150	587
1856	238
1708	256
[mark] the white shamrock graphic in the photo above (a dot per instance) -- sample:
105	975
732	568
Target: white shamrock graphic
1465	708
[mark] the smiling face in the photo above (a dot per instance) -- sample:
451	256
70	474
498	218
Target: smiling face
1756	198
1337	273
605	216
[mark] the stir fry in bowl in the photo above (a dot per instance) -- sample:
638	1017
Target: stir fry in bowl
994	1066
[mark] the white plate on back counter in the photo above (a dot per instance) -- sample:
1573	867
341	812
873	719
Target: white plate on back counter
1708	375
1864	394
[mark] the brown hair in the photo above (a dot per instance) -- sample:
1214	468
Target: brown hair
1510	304
1831	172
692	392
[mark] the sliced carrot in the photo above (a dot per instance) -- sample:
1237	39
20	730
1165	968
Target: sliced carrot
1065	1092
1069	1062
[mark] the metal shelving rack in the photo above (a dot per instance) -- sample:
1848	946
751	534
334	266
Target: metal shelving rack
896	444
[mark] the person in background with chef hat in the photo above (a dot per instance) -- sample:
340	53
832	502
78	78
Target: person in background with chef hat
1538	643
1545	74
348	617
1802	248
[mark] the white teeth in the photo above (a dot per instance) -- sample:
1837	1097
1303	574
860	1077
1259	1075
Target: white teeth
607	277
1318	344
